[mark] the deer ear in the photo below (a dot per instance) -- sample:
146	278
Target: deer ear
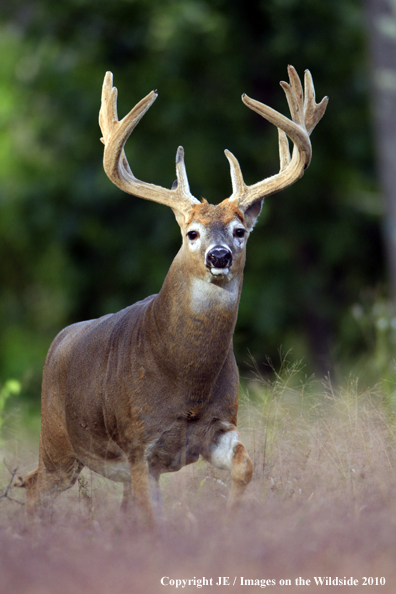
252	212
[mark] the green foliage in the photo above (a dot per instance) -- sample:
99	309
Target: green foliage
376	319
11	387
74	247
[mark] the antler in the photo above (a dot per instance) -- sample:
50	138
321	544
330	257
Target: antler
305	115
116	133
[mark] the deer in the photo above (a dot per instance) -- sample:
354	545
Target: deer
147	390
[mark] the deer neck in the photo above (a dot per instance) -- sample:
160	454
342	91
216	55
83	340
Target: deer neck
187	296
195	320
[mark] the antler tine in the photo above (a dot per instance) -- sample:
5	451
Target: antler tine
238	185
294	96
239	188
305	115
313	111
181	173
116	133
108	109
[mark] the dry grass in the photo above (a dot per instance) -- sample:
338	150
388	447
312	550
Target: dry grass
321	503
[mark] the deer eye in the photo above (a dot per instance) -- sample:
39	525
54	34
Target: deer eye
193	235
239	232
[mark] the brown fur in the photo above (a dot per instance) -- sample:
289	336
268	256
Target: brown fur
207	213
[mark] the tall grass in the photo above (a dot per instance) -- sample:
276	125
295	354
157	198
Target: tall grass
321	504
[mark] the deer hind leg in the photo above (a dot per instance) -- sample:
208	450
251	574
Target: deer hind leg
30	484
229	453
44	483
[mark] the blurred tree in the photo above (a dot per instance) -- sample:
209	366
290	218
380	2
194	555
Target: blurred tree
74	247
381	17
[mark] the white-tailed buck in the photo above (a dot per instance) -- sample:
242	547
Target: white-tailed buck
148	389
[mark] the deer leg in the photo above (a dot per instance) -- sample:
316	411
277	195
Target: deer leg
229	453
30	484
127	497
140	487
44	483
241	475
155	496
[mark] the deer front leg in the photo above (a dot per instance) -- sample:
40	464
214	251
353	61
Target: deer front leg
139	490
155	497
230	454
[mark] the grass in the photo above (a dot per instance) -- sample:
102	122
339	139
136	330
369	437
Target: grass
321	504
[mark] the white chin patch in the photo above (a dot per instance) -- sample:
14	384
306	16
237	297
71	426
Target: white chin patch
219	271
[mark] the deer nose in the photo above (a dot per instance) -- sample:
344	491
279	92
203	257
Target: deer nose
219	257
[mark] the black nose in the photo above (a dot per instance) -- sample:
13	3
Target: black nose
219	257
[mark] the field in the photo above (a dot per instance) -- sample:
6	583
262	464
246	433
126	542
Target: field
321	505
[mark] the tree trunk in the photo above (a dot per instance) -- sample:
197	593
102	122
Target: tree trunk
381	18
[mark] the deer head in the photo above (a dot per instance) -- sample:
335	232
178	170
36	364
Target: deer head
215	257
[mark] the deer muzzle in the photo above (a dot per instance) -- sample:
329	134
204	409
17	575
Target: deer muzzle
219	260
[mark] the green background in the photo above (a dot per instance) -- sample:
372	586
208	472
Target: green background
74	247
